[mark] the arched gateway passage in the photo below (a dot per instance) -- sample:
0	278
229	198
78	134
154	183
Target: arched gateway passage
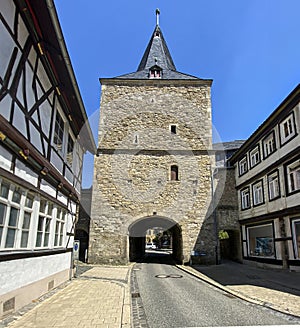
137	236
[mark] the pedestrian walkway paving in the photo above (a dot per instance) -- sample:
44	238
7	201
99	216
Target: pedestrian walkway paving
98	298
275	289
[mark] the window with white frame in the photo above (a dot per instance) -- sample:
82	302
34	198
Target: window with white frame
287	128
269	144
27	218
44	224
261	240
254	156
15	216
293	176
296	236
258	193
243	166
59	227
245	198
273	185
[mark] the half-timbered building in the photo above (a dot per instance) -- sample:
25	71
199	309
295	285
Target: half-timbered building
267	174
44	134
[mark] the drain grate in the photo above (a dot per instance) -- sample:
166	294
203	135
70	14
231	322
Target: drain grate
135	295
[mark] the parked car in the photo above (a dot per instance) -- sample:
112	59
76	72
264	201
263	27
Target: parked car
150	246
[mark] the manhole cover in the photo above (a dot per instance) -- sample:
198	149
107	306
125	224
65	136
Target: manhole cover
168	276
162	276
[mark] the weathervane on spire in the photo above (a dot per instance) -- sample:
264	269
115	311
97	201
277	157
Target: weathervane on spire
157	16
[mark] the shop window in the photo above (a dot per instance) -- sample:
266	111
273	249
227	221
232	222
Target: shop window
293	176
296	236
245	198
254	156
243	166
287	129
174	173
261	241
258	193
273	185
269	144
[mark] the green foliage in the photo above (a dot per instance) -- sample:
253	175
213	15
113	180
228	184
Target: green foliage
223	234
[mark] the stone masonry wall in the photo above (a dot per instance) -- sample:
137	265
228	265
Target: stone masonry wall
135	153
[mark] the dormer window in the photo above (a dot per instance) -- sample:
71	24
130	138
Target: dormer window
155	72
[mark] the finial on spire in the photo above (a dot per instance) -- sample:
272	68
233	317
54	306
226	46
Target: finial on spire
157	16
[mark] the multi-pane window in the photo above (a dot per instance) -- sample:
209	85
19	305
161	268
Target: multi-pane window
44	224
59	132
273	185
269	144
245	198
254	156
243	166
12	218
293	176
26	224
287	128
59	227
258	193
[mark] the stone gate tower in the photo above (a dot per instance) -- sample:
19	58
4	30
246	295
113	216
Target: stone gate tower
153	163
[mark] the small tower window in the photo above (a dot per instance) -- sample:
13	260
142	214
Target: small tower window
155	72
174	173
173	128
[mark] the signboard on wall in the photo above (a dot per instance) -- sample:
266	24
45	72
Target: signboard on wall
76	246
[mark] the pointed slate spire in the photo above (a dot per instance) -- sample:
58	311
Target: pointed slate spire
157	56
157	52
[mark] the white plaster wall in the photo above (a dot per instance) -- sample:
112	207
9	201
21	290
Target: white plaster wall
18	273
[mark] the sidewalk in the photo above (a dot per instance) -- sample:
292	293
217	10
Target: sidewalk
275	289
98	298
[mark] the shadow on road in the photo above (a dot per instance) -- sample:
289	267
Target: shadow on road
232	273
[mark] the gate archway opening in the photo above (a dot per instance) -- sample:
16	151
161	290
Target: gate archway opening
167	227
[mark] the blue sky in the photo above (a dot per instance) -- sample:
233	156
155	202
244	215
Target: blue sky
250	49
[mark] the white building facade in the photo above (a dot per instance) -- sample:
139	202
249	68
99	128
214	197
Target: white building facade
267	171
42	128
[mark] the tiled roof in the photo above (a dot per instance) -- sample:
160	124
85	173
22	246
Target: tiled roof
229	145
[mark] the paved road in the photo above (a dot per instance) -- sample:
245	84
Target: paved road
173	298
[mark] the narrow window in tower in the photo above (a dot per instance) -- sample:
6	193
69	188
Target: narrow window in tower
173	128
174	173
